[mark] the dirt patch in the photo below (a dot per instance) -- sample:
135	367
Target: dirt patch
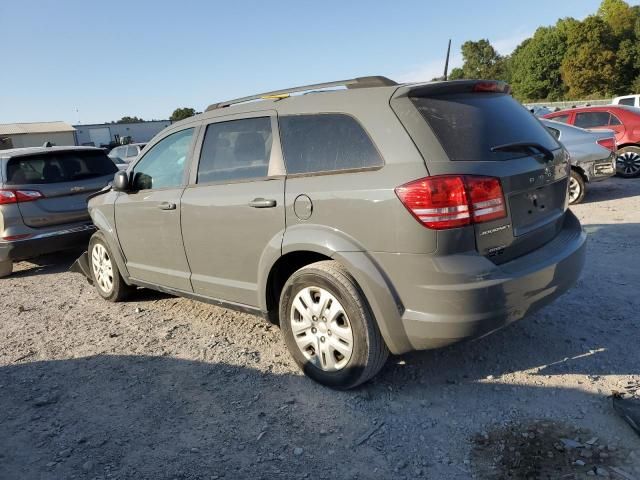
544	450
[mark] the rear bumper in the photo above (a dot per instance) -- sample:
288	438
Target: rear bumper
598	170
451	298
50	241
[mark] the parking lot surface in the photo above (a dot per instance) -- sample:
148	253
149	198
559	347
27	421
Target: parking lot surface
168	388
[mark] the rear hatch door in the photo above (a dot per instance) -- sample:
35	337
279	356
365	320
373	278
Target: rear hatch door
479	129
64	178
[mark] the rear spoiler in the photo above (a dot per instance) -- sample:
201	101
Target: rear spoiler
453	87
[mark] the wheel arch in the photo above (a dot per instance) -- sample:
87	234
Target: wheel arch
628	144
306	244
581	171
107	231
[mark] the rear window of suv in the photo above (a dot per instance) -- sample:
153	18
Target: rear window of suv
468	125
326	142
59	167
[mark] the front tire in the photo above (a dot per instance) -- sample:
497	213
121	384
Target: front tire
104	271
328	326
628	162
577	188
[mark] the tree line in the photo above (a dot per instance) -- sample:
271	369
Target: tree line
594	58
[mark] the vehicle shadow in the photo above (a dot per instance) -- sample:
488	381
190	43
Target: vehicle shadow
614	188
142	417
46	264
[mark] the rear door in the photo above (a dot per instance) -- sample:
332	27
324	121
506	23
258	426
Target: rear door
483	131
148	216
64	179
233	211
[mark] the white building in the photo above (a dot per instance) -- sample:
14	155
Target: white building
17	135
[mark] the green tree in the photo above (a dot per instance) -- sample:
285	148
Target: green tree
456	74
535	66
482	61
589	65
627	65
619	16
128	119
182	113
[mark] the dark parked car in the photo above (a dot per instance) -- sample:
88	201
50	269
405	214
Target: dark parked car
373	219
623	120
43	199
592	155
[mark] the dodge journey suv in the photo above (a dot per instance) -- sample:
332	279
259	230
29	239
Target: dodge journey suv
373	219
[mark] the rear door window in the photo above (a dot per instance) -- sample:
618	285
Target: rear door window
326	143
236	150
59	167
592	119
469	125
630	101
561	118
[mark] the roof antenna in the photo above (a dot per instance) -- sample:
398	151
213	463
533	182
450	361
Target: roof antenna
446	62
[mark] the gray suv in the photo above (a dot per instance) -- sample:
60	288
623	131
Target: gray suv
43	199
373	219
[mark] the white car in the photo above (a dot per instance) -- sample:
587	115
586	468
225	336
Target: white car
629	100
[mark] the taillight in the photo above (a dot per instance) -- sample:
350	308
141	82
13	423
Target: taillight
608	143
450	201
19	196
492	87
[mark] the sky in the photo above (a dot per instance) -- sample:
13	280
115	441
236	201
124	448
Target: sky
96	61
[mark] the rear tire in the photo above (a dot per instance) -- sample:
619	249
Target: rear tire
336	341
104	271
577	188
628	162
6	268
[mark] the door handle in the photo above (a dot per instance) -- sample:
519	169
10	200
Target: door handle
262	203
167	206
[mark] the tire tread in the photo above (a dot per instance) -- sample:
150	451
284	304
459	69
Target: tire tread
378	351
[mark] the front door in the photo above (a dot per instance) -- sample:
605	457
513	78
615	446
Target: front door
233	211
148	217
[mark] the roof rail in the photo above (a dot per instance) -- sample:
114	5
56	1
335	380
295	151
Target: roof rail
359	82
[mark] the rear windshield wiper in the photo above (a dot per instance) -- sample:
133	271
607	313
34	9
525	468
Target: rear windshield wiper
524	146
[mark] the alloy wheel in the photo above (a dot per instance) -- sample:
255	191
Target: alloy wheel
574	190
321	329
628	163
102	268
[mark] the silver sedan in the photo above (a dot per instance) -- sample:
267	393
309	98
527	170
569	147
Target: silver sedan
592	155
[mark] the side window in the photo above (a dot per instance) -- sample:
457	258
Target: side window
236	150
555	132
325	143
164	165
627	101
117	152
560	118
592	119
132	151
613	120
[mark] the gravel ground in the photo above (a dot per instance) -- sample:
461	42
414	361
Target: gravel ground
167	388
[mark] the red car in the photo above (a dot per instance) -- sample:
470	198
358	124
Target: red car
624	121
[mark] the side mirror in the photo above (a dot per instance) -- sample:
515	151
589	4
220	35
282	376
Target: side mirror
121	181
